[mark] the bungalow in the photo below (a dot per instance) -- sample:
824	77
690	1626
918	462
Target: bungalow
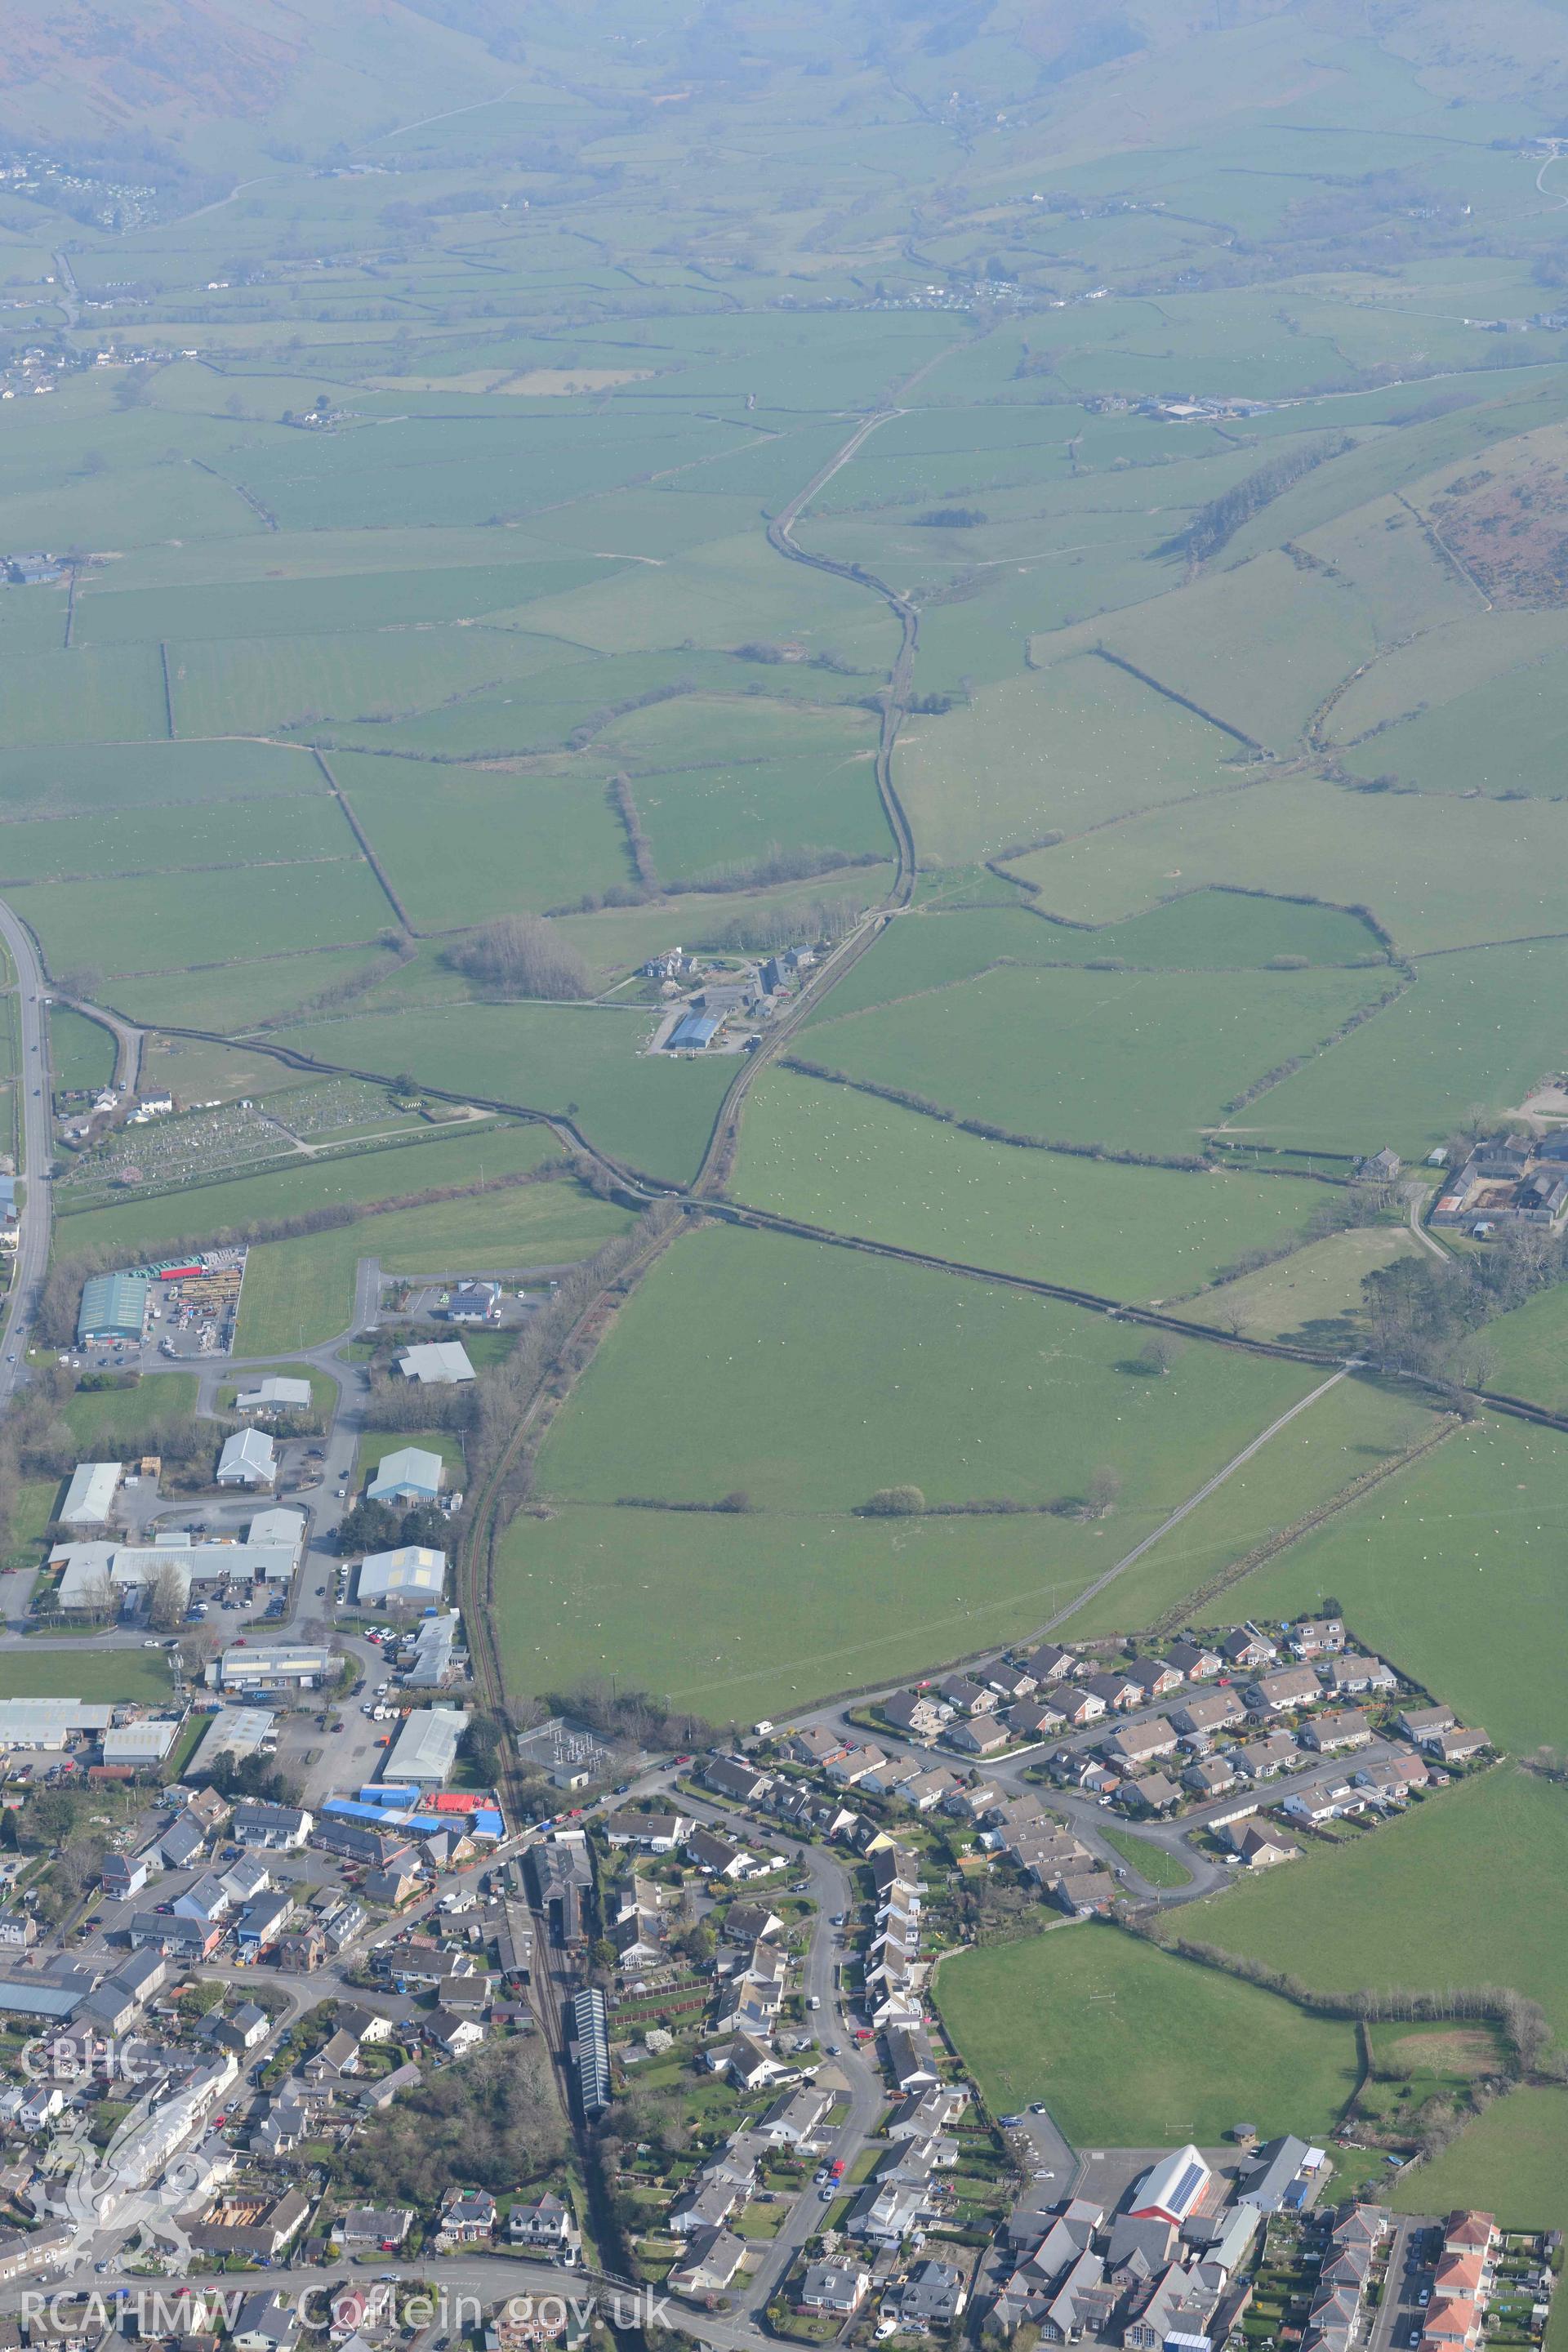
1312	1636
731	1776
654	1832
453	2036
968	1696
750	2065
1050	1663
264	2322
913	1713
833	2290
1325	1802
1418	1722
1245	1646
886	2216
1011	1683
1348	1676
715	1857
1195	1660
981	1736
371	2229
795	2117
1154	1794
929	2112
711	2263
1261	1759
1456	1746
889	1776
1137	1743
1084	1891
1211	1776
706	2205
928	1789
852	1765
1078	1704
1155	1676
1034	1718
816	1745
1260	1845
1206	1711
1287	1687
751	1924
1347	1729
1118	1692
1392	1778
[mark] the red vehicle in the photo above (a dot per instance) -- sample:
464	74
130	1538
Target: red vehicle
837	2168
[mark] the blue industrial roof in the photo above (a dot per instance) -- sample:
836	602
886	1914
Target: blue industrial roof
384	1792
696	1029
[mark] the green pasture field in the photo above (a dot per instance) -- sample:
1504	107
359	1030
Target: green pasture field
1155	1864
657	1113
298	1294
1381	548
1210	931
461	846
1528	1351
1133	2048
162	922
79	1671
101	694
1357	1426
1447	873
198	1069
448	1156
846	1162
1445	667
1258	647
1503	739
448	471
741	1617
250	686
1031	1396
1143	1061
127	506
1449	1572
246	995
731	592
102	1417
1470	1889
67	778
1477	1030
374	1444
1314	1296
306	608
1511	2160
81	1051
1056	750
165	841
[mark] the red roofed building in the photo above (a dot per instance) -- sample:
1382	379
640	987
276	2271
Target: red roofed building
1466	2274
1453	2326
1463	2232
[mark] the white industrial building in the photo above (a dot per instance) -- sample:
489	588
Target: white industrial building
426	1748
141	1744
298	1667
412	1574
280	1532
275	1395
438	1363
94	1575
248	1458
234	1733
90	1498
412	1474
49	1722
434	1642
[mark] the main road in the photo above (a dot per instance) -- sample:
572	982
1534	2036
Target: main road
33	1079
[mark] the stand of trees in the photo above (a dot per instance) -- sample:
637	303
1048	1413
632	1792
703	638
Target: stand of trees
521	955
